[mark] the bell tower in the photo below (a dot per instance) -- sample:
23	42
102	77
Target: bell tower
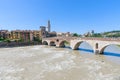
49	26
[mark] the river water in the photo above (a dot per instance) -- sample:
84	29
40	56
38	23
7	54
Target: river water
50	63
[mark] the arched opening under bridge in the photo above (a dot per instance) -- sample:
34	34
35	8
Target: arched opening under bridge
64	43
84	46
52	43
111	50
44	43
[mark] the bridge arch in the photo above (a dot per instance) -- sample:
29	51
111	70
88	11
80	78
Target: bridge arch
62	43
105	46
45	43
52	43
76	46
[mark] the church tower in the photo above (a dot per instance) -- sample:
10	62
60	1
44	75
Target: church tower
49	26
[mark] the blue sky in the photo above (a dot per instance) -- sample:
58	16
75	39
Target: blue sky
78	16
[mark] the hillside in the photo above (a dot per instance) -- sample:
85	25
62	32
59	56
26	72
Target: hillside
115	34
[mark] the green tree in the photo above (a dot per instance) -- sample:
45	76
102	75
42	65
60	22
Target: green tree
75	35
2	39
7	40
37	39
96	35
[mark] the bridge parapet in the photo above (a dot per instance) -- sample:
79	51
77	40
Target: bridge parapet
101	39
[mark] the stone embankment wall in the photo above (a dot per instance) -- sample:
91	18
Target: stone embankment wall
17	44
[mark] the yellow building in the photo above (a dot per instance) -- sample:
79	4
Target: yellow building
24	35
36	33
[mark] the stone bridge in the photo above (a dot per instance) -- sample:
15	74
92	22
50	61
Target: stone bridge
98	44
57	41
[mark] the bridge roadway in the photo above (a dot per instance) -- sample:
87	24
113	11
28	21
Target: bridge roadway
98	44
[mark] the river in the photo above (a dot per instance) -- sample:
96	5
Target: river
50	63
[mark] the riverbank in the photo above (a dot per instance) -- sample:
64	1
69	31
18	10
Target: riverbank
17	44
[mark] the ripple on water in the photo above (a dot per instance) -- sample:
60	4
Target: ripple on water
52	63
100	71
9	72
57	55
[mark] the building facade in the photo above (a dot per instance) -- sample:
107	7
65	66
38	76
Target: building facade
28	35
4	34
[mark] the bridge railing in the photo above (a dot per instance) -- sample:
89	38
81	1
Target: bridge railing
102	39
82	38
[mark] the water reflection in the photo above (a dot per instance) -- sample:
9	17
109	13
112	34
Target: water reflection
88	50
112	54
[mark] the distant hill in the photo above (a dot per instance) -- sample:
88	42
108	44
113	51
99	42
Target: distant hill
113	34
